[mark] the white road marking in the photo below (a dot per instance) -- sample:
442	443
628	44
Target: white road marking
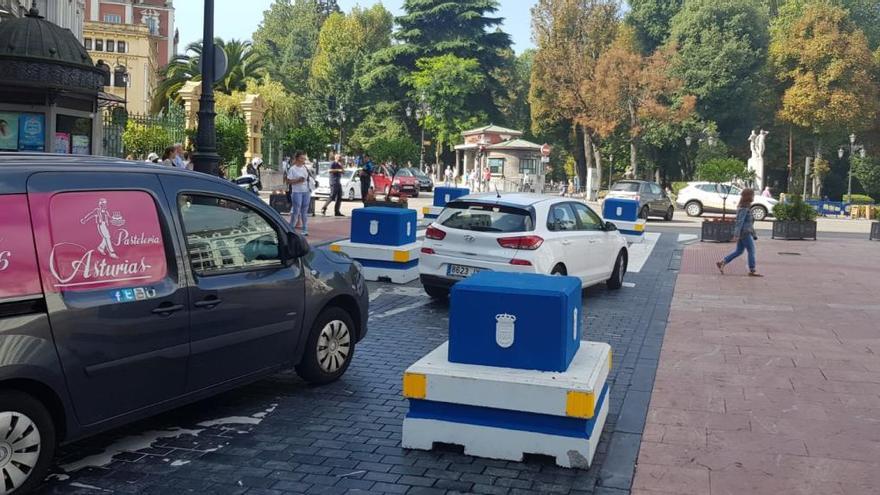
402	309
640	252
629	285
687	238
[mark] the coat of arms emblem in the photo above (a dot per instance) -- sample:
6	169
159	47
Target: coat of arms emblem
504	330
374	227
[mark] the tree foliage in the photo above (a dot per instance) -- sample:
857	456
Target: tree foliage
824	61
651	20
288	35
140	140
447	84
311	139
395	149
867	171
231	142
722	49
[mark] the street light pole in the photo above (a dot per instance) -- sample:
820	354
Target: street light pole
852	153
206	159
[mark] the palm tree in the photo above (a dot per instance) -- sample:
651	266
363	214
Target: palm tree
244	64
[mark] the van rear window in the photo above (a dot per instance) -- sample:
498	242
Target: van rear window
19	276
483	217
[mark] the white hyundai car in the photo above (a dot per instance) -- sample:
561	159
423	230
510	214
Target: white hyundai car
351	184
520	232
705	197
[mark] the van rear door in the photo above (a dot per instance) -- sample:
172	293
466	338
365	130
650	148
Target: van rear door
116	299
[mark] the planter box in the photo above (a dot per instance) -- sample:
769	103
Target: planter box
789	230
875	231
718	231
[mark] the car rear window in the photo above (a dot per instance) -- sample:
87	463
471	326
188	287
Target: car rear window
626	187
481	217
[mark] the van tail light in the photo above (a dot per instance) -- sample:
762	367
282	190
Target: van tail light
435	234
526	242
518	262
428	251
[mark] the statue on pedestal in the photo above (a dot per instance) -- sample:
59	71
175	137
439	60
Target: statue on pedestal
757	143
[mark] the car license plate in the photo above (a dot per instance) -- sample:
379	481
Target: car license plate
461	271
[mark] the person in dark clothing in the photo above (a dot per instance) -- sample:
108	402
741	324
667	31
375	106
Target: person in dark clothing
365	174
336	170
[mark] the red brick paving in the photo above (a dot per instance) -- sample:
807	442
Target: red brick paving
323	230
769	385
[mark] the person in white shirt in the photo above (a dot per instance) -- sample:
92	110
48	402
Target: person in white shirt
299	178
448	175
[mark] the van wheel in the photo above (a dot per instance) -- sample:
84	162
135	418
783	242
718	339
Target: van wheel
27	442
616	280
330	347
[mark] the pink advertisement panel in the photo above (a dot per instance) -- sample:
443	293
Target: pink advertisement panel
98	240
18	261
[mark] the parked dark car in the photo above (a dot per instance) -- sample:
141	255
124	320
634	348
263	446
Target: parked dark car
653	201
129	289
426	183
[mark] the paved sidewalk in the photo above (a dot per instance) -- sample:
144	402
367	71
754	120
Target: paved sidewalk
769	385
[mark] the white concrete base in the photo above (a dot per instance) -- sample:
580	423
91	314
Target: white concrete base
505	444
374	274
396	254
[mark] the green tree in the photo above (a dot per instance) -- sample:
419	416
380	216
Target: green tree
231	143
313	140
722	49
433	28
448	84
512	94
288	36
245	64
867	171
396	149
824	61
651	20
864	13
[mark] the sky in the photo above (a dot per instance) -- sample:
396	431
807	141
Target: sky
233	21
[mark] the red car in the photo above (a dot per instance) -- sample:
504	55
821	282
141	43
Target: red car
405	183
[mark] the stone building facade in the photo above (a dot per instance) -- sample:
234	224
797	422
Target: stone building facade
129	57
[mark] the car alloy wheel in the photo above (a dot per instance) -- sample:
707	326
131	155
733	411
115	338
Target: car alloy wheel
693	209
759	213
19	449
334	346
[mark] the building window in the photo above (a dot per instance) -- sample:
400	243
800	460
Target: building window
152	22
120	77
120	46
88	42
113	18
111	46
99	45
528	165
496	165
105	69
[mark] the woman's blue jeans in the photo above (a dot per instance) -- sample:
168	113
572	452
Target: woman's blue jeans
745	243
300	209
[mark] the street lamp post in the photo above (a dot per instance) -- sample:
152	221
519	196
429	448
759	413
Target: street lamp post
853	147
206	159
420	112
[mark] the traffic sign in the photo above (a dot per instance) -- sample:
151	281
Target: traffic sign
545	159
545	150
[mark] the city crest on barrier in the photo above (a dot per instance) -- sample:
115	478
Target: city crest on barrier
374	227
504	330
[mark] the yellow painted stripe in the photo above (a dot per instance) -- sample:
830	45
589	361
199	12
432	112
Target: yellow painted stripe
415	385
426	210
336	248
580	404
401	256
639	227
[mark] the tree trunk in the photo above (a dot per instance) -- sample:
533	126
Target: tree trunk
580	157
589	154
634	158
598	154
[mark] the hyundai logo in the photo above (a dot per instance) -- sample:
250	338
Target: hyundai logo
470	238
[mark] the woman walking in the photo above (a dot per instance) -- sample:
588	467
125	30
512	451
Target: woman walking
743	234
298	179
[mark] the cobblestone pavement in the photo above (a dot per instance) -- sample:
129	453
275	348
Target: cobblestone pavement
281	436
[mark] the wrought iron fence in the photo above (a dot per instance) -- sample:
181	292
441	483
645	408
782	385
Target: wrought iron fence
172	120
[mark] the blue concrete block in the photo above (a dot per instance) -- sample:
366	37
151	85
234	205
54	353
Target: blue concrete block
626	210
383	226
443	195
515	320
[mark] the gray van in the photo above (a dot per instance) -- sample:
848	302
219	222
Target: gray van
127	289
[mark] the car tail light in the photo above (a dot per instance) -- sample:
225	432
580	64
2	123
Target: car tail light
519	262
435	234
428	251
637	197
527	242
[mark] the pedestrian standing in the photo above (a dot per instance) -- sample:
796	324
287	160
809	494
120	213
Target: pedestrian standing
168	157
448	175
767	193
336	171
178	159
487	177
365	174
298	177
743	233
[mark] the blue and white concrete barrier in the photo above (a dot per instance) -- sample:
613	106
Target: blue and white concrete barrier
383	241
499	403
624	213
443	195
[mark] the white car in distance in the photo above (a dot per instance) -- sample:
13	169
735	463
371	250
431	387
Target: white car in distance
351	184
707	197
520	232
